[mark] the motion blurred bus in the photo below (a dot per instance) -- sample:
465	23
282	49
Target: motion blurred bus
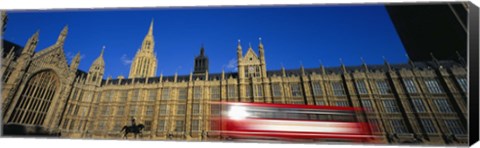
291	122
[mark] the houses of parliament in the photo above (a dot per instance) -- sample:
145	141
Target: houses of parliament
412	100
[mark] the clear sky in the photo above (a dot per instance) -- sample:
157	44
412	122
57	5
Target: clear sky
291	35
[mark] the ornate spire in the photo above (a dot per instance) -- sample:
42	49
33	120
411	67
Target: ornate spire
434	59
344	70
202	50
364	64
239	50
77	57
386	63
260	44
75	62
302	69
99	61
239	45
63	35
150	30
31	43
103	50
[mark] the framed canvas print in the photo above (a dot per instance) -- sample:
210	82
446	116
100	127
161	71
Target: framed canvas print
357	74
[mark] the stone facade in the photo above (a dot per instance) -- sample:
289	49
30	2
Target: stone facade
422	100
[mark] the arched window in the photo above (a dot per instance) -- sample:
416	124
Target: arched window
36	98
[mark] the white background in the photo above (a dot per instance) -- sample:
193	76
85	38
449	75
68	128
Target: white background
63	4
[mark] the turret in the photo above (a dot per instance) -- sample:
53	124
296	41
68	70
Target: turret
144	63
62	36
75	62
201	62
262	58
31	44
95	73
240	67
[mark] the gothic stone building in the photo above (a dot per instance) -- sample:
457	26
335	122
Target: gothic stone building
423	100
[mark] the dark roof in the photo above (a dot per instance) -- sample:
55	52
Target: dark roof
297	72
7	46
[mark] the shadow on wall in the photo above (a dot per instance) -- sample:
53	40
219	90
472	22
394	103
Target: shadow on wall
27	130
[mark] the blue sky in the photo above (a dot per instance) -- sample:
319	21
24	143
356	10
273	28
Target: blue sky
292	35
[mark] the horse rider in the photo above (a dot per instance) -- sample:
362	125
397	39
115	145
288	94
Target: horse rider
133	122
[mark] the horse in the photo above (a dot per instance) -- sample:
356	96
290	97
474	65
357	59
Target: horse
135	129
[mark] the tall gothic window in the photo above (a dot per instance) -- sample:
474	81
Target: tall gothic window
197	93
367	104
338	89
232	91
165	94
135	95
163	109
383	87
215	109
248	90
428	126
374	125
296	90
454	126
35	100
149	111
258	90
106	110
152	95
123	96
442	105
410	85
161	125
181	109
418	105
398	126
148	125
215	93
194	125
390	106
319	102
108	96
277	90
317	89
361	87
433	86
196	109
182	94
462	81
342	103
121	111
133	110
179	126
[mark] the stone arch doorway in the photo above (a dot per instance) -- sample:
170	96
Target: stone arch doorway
35	99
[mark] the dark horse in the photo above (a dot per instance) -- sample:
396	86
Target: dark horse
135	129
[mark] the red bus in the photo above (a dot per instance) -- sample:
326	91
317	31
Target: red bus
292	122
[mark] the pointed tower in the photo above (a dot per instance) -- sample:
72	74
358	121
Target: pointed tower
239	60
62	36
75	62
3	14
95	73
31	44
25	58
201	62
145	62
263	64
